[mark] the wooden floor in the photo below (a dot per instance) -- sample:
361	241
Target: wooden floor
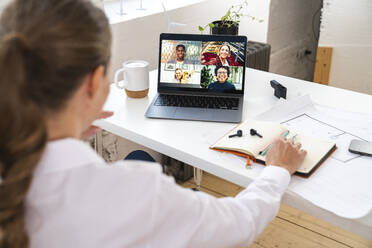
291	228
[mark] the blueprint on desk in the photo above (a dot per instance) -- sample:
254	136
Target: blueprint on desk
343	184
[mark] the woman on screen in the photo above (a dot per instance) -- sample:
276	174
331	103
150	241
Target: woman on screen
178	75
222	58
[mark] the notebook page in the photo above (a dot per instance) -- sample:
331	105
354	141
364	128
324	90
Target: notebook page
251	144
316	149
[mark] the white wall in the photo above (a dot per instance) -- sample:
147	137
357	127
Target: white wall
3	3
139	38
346	26
290	34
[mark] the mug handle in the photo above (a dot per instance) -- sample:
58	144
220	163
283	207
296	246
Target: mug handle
117	76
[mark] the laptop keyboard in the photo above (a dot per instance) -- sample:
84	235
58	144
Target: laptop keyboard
212	102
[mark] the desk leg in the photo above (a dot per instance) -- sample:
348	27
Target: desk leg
98	144
198	173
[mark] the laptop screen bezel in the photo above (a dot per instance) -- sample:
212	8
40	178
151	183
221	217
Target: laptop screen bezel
202	38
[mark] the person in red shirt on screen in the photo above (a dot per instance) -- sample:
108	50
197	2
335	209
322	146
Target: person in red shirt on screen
222	58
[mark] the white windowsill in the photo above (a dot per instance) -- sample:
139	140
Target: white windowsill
130	7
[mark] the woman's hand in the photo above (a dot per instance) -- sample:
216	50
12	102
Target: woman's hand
285	154
94	129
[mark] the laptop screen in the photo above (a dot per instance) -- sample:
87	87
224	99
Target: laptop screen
202	63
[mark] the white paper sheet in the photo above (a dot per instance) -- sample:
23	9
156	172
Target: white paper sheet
343	184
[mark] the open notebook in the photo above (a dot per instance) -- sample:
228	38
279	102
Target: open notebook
256	147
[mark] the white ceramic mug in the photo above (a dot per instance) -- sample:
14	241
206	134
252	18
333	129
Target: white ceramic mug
136	78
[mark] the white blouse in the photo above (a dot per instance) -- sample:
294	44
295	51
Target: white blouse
77	200
226	63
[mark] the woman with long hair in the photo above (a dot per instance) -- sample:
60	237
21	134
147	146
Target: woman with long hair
178	75
55	191
223	57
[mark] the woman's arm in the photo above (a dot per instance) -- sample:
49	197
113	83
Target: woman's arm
185	218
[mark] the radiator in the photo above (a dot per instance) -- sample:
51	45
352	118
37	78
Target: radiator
258	55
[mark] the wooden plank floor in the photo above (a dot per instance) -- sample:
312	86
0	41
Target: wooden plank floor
291	228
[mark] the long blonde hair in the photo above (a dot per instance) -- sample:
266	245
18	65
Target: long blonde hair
46	48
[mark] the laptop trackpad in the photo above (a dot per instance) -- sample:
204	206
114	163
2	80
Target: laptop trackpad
190	113
161	112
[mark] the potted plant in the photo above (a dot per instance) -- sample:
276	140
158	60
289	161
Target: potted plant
206	76
229	23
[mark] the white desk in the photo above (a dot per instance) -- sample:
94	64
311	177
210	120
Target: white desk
187	141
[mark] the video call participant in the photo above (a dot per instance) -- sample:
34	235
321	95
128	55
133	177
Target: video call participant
223	57
221	85
182	77
180	56
178	75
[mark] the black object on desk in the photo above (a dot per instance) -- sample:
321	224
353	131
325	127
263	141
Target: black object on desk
253	132
280	90
239	133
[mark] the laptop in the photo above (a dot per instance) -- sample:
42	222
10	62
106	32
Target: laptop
200	77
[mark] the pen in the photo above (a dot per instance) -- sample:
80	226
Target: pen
263	153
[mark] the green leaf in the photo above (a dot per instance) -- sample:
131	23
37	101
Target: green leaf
226	16
233	15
